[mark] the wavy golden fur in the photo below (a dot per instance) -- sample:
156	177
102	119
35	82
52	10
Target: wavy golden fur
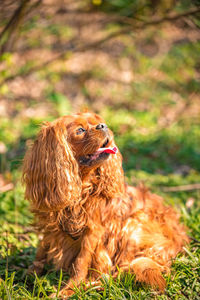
88	217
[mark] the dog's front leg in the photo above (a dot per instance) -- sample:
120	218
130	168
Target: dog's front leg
82	261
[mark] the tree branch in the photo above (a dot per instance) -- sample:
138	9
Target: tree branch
182	188
92	45
12	26
168	18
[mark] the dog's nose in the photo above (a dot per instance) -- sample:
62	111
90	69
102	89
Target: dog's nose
102	126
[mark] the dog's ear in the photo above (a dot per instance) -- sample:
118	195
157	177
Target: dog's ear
50	171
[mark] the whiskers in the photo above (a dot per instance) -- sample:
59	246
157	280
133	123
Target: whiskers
91	144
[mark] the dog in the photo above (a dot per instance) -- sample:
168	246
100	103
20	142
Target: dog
88	217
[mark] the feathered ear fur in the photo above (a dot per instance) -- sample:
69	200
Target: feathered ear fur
50	171
112	175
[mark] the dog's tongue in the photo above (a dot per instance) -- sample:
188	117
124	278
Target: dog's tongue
112	150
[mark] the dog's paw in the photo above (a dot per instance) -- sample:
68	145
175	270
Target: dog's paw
65	293
149	272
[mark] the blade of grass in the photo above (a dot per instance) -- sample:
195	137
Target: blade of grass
59	283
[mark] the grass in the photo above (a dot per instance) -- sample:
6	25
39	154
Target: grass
156	124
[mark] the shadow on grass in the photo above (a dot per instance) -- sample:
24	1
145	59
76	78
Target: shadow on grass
17	265
161	153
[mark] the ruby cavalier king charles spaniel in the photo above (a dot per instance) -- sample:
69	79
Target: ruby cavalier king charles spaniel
88	219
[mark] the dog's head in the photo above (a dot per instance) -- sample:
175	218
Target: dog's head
90	139
65	151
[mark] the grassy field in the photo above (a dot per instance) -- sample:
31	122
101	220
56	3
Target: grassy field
146	86
160	158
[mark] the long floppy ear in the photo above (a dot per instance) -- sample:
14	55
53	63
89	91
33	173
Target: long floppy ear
112	175
50	171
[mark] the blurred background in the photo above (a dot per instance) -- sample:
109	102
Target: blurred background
137	63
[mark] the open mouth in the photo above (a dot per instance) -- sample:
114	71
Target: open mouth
102	153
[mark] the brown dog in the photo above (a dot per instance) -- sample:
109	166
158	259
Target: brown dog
87	216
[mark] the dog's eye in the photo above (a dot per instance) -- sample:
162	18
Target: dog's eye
80	130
